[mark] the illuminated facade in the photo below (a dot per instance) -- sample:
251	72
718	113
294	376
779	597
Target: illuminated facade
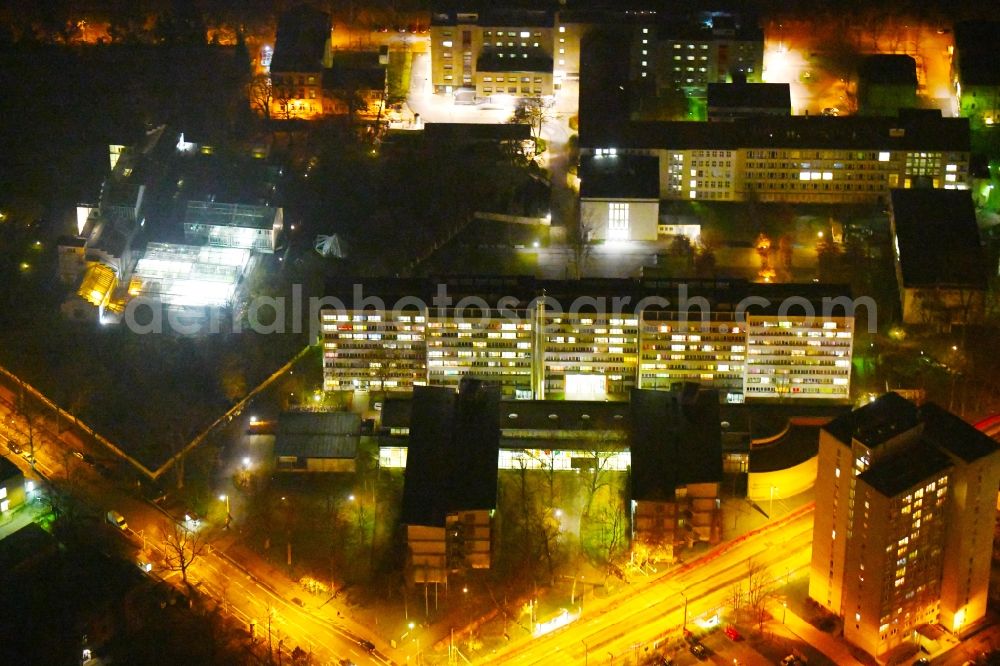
797	159
898	541
508	52
696	51
301	52
602	347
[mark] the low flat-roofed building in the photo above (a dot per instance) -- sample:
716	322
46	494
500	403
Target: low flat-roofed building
887	82
317	442
729	101
620	196
189	275
940	265
233	225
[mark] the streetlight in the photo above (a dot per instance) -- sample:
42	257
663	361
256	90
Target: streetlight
225	498
784	607
246	462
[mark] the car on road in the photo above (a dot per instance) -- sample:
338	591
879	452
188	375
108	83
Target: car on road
367	645
14	448
192	518
831	111
732	634
699	651
117	519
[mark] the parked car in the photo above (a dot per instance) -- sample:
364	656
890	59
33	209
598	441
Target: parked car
831	111
367	645
14	448
733	634
699	651
117	519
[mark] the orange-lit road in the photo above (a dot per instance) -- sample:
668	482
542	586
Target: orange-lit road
629	623
243	596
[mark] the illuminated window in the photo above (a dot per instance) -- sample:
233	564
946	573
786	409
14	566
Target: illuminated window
562	28
446	43
618	221
883	157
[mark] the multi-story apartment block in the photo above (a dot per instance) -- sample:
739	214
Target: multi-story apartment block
493	51
689	53
592	339
906	505
798	159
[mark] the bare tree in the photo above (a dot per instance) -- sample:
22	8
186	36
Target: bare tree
181	547
760	589
534	112
260	92
579	242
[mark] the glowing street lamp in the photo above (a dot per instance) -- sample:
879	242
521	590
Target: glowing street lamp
225	498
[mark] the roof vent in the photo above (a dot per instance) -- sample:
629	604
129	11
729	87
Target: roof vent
897	132
512	415
553	416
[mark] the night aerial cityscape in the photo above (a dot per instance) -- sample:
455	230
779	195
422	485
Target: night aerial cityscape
531	332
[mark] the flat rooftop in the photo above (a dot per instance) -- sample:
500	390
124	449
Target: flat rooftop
189	275
211	213
938	238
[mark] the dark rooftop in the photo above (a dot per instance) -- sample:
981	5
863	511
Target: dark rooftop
888	69
938	238
475	447
318	434
722	295
976	54
359	70
955	436
488	16
8	469
910	467
675	440
460	133
720	26
795	446
749	95
490	60
427	465
620	177
907	132
563	415
451	462
888	416
396	412
301	40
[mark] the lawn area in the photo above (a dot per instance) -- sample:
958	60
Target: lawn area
400	66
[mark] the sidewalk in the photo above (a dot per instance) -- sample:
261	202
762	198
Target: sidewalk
323	607
836	650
